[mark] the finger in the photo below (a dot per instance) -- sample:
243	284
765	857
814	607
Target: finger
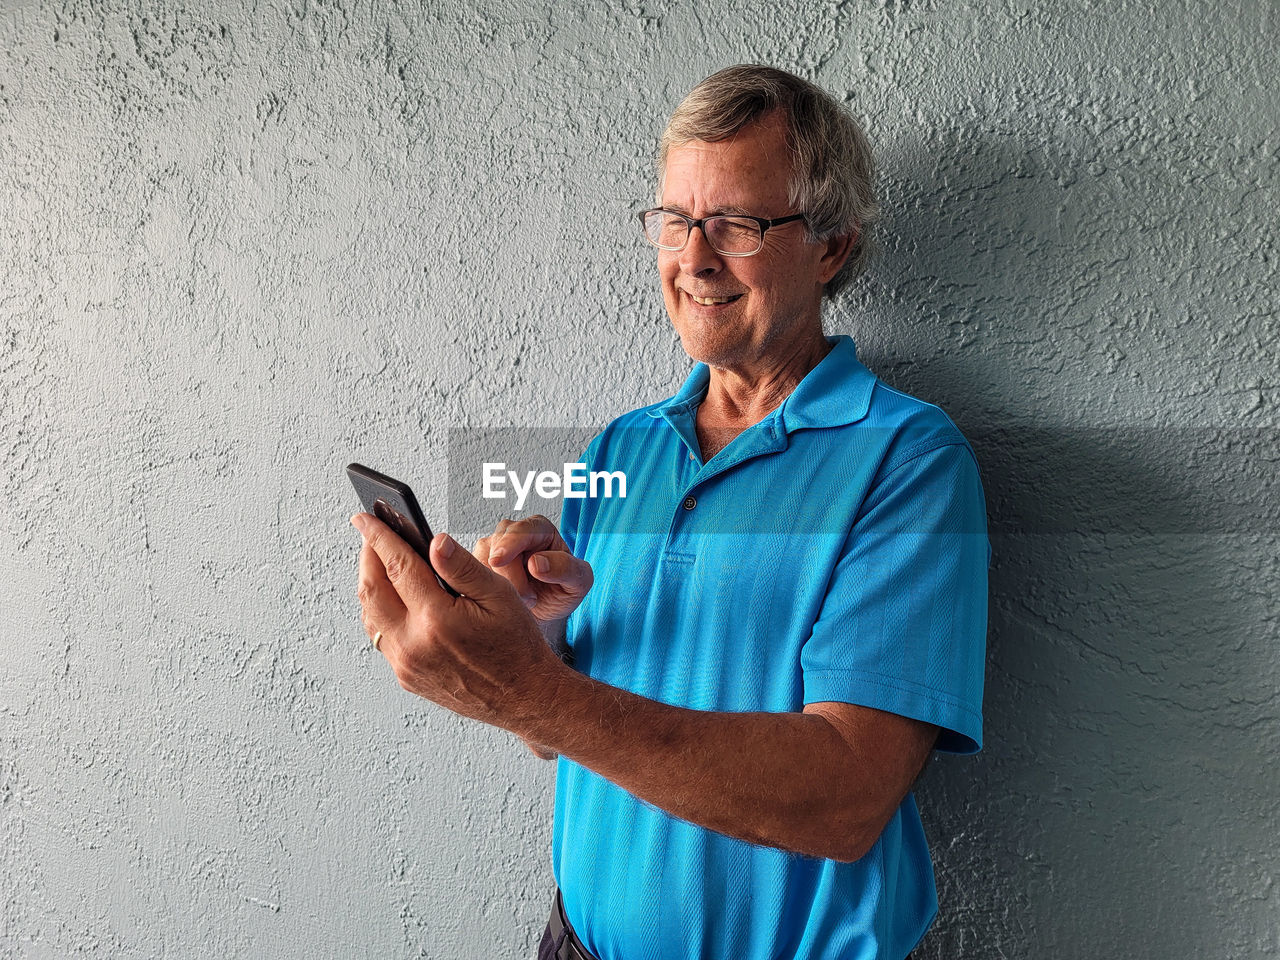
380	606
514	574
462	571
522	536
407	572
557	566
494	537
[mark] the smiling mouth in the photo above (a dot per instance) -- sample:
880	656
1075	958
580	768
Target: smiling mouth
713	301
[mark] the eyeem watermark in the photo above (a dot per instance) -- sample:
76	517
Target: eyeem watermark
1123	480
574	483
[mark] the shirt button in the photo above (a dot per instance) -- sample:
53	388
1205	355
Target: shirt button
690	503
691	456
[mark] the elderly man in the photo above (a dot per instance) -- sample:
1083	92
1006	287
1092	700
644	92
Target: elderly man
776	626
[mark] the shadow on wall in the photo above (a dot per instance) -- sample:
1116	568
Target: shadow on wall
1120	806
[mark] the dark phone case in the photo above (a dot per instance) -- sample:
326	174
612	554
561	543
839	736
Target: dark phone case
394	504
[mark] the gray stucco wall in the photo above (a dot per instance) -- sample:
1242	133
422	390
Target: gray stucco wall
245	244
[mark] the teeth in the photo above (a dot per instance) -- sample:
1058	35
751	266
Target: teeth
708	301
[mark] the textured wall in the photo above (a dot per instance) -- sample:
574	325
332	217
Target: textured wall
245	243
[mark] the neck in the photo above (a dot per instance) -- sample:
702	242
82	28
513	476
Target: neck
744	394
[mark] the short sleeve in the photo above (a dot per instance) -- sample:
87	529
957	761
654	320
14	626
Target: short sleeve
903	624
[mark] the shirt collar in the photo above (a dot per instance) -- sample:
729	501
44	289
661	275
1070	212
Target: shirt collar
834	393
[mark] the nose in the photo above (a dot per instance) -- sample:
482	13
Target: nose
698	259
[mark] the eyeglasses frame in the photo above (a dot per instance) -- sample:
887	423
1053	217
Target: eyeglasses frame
764	223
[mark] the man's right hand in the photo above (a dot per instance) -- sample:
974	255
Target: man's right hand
532	555
550	594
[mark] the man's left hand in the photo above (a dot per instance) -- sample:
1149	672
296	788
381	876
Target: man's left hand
481	655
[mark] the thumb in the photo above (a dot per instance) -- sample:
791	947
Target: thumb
562	567
462	571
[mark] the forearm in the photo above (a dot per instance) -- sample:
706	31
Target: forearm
777	779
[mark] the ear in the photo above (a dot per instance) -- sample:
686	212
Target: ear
836	252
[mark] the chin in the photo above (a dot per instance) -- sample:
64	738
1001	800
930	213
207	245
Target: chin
705	346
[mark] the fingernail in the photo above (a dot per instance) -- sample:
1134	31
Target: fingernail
541	565
445	545
358	521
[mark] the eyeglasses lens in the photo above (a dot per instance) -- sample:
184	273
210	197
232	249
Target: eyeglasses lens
733	235
666	231
730	235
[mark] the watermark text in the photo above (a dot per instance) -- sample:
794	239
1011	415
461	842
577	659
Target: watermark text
575	482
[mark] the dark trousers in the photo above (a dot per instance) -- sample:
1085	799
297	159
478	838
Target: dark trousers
547	948
559	941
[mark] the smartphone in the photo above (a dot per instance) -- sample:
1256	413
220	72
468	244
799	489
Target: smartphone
392	502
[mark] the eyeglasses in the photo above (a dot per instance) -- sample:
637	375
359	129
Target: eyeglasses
729	236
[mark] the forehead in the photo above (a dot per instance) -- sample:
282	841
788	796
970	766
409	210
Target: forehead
746	173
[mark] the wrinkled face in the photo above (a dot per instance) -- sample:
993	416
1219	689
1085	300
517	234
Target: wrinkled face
756	302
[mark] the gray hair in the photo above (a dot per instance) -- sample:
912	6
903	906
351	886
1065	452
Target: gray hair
832	169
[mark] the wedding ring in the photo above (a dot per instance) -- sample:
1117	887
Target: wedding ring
377	639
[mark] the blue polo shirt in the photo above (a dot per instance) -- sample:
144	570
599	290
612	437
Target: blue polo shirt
836	550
